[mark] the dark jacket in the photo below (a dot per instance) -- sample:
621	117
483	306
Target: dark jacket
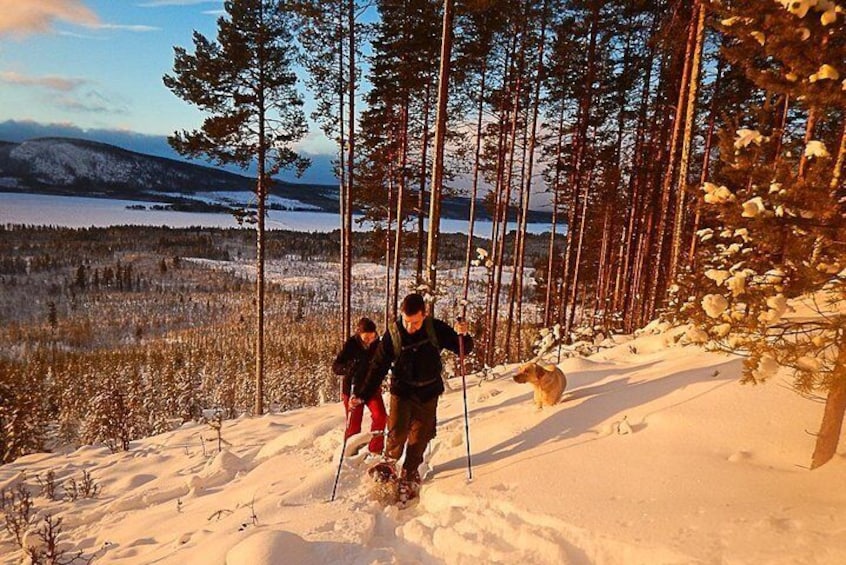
417	367
352	362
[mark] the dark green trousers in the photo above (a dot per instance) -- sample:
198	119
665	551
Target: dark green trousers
411	421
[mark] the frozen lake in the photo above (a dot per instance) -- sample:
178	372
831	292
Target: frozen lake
79	212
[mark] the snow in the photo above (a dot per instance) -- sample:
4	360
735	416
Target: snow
825	72
747	136
753	207
717	275
778	307
717	194
816	148
714	305
656	454
800	8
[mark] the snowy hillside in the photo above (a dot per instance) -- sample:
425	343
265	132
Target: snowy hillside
656	455
67	162
86	168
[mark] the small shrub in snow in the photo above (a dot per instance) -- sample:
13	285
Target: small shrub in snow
17	511
47	484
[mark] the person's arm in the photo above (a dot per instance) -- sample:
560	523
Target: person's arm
341	365
378	369
448	337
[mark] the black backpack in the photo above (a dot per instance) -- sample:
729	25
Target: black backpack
401	358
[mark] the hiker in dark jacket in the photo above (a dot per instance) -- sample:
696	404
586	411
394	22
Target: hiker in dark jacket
352	364
416	384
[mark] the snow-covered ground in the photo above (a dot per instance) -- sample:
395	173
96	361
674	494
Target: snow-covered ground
655	455
242	198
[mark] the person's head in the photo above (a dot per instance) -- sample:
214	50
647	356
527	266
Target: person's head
366	330
413	310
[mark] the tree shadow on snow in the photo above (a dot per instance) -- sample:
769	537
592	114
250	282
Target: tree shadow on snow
576	388
599	403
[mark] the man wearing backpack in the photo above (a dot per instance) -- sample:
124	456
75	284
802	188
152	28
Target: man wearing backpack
411	348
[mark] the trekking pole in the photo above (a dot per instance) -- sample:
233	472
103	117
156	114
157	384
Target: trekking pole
464	392
343	451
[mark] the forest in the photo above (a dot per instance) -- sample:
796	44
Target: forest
691	152
112	334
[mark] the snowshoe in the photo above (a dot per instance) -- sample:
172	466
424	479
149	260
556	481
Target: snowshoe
383	472
385	482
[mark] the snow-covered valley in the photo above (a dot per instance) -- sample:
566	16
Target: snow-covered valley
656	454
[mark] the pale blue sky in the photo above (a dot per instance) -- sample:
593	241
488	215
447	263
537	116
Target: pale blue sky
98	64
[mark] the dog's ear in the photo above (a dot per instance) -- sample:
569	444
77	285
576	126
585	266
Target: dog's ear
538	371
520	375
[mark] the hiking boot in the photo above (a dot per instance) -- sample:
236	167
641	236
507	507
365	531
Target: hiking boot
409	486
411	476
407	490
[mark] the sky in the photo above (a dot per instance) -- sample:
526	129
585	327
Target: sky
93	69
97	65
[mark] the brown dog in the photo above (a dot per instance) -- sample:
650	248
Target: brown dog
548	380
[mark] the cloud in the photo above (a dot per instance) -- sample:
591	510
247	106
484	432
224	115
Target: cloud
49	82
124	27
73	94
81	35
91	102
22	18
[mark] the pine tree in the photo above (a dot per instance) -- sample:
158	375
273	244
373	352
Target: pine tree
773	276
246	82
23	409
331	37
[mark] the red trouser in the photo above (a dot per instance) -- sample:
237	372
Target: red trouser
378	418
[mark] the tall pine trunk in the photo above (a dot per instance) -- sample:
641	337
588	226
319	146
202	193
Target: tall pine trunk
548	310
585	106
261	196
350	173
342	175
658	283
835	407
421	193
438	158
706	164
506	172
388	225
399	204
516	278
496	228
474	190
521	252
693	84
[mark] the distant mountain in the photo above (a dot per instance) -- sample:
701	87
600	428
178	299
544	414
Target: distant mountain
17	131
76	167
